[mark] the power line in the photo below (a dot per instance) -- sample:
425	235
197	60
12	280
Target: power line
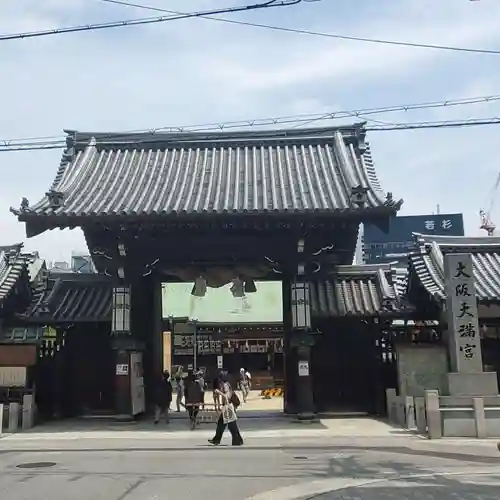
449	124
301	119
148	20
315	33
471	122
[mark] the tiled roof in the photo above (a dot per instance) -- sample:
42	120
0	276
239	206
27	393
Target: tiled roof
72	298
365	290
14	266
427	263
308	170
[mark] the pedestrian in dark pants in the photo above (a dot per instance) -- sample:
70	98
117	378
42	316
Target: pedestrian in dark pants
163	397
193	398
216	390
227	416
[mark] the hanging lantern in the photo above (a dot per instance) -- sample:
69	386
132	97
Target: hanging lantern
199	287
301	310
120	320
237	288
250	286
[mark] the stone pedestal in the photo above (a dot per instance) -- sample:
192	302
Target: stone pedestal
471	384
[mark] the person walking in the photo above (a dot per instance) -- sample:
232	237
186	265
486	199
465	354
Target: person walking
163	396
215	390
227	417
179	390
244	383
193	398
201	380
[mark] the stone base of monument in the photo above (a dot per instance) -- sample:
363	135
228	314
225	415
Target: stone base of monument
471	384
472	408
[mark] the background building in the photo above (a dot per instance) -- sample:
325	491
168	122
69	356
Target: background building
81	263
393	246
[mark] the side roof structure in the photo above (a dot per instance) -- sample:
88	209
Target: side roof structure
15	268
71	298
427	263
364	290
321	170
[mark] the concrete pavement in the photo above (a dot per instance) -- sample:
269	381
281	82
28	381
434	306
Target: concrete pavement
321	461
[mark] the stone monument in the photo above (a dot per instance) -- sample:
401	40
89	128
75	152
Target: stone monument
467	377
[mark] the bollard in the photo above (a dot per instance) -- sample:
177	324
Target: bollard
433	415
410	413
13	417
391	398
420	415
27	417
479	418
1	418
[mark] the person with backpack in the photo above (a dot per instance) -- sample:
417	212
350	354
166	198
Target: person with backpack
163	397
227	418
193	397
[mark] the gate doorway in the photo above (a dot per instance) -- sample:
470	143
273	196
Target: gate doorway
346	368
75	373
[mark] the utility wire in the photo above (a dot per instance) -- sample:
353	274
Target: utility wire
449	124
148	20
315	33
302	119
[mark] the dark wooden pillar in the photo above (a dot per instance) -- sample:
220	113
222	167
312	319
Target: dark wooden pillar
289	357
124	345
300	340
146	322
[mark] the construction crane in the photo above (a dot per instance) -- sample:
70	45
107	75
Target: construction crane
486	223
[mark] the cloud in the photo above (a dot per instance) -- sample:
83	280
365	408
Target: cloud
200	71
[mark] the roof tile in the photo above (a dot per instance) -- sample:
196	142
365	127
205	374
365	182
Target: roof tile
280	171
428	262
365	290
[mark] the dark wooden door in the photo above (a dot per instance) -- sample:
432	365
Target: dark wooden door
90	369
345	368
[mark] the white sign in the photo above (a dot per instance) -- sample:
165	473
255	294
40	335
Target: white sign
220	362
463	326
122	369
430	224
303	368
13	376
137	384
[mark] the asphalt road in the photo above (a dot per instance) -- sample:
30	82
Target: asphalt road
273	468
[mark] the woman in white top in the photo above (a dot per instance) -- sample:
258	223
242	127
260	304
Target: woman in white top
227	417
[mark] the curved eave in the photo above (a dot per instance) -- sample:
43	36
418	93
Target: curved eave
36	224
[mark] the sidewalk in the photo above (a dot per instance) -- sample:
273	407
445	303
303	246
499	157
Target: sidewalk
262	432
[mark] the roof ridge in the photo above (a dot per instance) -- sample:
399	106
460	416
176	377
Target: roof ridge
159	135
463	242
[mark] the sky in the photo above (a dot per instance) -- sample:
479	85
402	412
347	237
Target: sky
200	71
